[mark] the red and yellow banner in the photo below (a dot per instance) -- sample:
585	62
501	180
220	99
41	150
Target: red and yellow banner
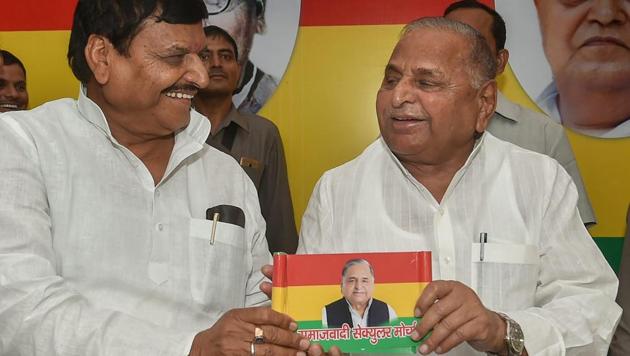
324	105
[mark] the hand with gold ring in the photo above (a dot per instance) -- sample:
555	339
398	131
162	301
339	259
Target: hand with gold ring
251	331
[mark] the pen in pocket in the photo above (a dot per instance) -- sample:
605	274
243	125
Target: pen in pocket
483	238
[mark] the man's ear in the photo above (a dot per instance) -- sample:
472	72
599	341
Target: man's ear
261	26
97	55
502	60
487	104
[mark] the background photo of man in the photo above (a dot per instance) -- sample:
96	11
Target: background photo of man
512	122
13	93
587	44
243	19
357	307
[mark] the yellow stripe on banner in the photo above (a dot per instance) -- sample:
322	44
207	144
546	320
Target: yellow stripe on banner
306	302
325	104
324	108
605	169
48	76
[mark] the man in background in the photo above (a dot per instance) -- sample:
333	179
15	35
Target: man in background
512	122
587	45
242	19
13	93
252	140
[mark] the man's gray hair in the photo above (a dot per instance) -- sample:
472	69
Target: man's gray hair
356	261
483	64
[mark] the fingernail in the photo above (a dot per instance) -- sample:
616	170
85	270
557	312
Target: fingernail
415	336
438	350
417	313
301	353
424	349
293	326
304	344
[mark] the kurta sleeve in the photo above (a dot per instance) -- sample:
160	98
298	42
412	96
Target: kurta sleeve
259	250
575	311
317	220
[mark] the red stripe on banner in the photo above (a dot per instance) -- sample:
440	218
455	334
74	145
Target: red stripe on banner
311	270
36	15
370	12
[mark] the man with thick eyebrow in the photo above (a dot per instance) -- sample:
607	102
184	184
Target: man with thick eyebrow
121	231
514	270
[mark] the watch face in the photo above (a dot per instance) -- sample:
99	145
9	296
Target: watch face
516	340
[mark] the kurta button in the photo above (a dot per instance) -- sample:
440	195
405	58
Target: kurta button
159	227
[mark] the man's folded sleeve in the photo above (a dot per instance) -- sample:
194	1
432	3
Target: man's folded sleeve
575	311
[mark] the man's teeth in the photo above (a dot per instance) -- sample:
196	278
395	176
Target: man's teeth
179	95
9	106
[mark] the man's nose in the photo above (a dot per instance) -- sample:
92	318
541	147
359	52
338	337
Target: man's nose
402	93
9	91
196	72
607	12
214	60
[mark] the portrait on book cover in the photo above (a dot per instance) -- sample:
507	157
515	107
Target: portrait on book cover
357	306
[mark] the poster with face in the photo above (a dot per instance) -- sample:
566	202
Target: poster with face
265	33
573	59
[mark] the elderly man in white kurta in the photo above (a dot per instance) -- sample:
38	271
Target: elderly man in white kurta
435	181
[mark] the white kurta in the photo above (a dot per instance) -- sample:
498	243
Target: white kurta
541	266
97	260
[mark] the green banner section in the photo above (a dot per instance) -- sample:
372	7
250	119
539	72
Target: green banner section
611	248
389	338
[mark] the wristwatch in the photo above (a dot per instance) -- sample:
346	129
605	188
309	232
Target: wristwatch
514	339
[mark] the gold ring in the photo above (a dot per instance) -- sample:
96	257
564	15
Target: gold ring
258	336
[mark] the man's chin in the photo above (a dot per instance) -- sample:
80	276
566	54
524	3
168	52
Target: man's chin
607	75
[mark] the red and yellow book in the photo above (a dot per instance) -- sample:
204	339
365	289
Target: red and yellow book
305	286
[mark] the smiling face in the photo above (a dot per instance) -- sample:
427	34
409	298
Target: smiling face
587	42
428	111
223	69
357	285
13	94
148	91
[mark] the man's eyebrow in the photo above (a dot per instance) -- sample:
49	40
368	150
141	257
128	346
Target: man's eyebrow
177	48
392	68
428	72
226	50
